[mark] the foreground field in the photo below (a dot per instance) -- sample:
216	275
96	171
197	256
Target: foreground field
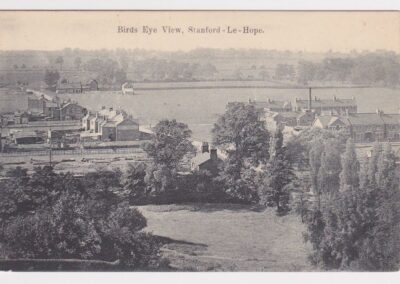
228	238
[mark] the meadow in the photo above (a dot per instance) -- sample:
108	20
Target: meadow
228	237
200	107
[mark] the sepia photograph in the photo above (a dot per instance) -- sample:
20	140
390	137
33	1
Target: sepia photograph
200	141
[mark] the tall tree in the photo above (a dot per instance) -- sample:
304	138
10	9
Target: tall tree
328	174
246	141
279	175
349	177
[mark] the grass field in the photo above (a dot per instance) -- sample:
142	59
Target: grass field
217	237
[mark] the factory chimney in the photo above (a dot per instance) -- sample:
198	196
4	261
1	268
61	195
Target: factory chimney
309	99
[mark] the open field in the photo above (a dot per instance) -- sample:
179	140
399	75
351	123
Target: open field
199	108
222	237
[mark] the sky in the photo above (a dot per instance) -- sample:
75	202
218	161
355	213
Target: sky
295	31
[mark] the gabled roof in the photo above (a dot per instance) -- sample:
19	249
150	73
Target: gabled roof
201	159
329	120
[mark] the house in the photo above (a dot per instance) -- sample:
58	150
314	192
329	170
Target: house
207	160
127	130
71	111
127	88
86	121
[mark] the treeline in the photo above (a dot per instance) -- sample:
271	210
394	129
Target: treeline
353	214
57	216
374	69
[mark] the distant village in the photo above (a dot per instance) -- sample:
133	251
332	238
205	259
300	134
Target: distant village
51	122
332	114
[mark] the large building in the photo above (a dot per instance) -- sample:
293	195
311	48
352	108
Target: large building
326	106
364	127
111	125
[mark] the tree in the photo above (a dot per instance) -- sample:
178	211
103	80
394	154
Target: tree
349	177
279	175
51	77
169	143
77	62
330	168
358	228
73	218
134	181
240	133
245	139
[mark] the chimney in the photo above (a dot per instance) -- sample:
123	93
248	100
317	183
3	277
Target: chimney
103	107
334	98
213	155
309	99
204	147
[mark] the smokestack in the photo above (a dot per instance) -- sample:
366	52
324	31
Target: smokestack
309	99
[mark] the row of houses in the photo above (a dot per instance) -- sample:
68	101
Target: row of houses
111	125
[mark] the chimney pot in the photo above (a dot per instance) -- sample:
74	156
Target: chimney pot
204	147
213	154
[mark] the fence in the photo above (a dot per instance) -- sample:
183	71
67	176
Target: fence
73	152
